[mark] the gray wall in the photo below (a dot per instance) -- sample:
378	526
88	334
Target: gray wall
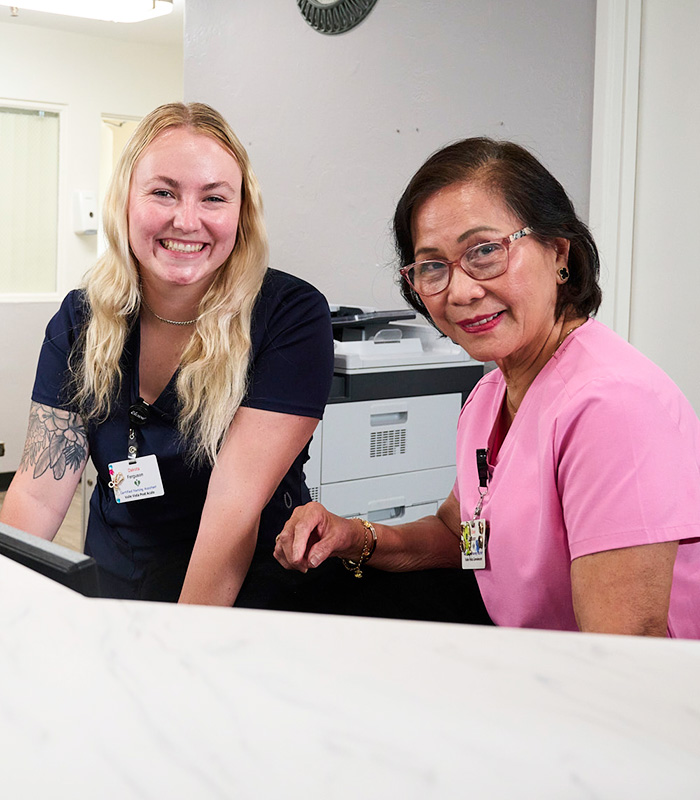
336	125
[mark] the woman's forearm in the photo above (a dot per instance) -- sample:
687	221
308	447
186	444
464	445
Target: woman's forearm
220	559
214	577
24	512
424	544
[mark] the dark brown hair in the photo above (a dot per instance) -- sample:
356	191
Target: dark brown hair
530	192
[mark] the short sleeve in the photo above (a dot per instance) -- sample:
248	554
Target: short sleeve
62	332
628	468
292	364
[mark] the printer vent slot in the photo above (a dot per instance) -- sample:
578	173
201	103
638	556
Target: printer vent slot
387	443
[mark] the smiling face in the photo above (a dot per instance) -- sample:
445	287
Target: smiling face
184	204
507	319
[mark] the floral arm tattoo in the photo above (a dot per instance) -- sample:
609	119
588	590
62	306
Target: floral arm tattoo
55	439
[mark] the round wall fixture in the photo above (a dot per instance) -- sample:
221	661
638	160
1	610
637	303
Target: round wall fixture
334	16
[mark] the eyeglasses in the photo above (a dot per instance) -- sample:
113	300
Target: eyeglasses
481	262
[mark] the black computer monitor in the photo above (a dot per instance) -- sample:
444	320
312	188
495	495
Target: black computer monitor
74	570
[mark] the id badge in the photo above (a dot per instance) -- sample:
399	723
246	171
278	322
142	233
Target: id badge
473	542
135	479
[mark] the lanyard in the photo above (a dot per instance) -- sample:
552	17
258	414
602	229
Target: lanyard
482	468
139	413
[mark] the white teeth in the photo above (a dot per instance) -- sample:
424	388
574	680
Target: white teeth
484	321
181	247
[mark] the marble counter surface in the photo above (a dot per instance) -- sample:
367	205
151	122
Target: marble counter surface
113	699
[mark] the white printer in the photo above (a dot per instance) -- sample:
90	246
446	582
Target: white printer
385	450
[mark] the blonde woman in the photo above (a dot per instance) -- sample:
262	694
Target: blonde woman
192	374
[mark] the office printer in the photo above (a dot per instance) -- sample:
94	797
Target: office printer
385	450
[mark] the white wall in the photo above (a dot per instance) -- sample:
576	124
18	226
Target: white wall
336	125
89	76
664	318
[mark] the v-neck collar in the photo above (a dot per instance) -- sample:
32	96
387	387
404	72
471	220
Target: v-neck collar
166	402
494	453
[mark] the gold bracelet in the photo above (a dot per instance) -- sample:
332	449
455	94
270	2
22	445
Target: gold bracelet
367	550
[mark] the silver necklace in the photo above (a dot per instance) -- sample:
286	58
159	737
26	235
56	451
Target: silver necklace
169	321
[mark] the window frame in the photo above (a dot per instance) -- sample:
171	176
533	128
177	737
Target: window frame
63	209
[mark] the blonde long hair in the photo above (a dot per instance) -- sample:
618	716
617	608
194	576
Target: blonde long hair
212	378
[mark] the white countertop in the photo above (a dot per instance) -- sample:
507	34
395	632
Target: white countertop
115	699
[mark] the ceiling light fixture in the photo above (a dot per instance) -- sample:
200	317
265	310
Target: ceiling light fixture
107	10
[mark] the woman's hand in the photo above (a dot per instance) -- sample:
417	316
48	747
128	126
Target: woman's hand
312	534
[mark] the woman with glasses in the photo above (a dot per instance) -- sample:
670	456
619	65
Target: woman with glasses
577	499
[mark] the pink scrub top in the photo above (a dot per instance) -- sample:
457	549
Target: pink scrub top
603	453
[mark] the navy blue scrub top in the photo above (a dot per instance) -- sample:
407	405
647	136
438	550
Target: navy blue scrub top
143	547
